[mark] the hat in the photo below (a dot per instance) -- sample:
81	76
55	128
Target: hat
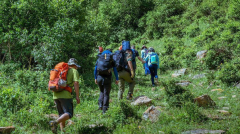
120	48
144	47
73	61
100	49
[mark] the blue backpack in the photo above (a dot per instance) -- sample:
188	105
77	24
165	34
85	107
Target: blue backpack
118	57
104	64
126	46
153	59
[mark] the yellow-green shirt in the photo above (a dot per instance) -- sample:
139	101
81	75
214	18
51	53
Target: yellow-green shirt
72	76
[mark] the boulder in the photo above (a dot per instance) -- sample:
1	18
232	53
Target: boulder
198	76
152	113
183	83
204	101
201	54
6	130
204	131
179	72
141	100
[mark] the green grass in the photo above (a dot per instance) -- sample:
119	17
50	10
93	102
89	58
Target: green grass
124	118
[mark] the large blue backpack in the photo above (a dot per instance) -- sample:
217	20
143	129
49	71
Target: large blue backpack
104	64
126	46
118	57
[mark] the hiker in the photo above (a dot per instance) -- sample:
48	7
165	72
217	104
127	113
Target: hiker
63	99
100	50
103	75
125	69
153	63
135	52
144	53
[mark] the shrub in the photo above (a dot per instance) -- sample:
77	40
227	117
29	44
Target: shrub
229	72
32	80
175	94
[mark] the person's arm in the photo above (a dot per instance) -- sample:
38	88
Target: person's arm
116	74
76	87
129	60
95	74
141	59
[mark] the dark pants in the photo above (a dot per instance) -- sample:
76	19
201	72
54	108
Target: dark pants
64	106
104	83
153	70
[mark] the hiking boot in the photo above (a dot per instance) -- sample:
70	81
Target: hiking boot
53	125
129	96
153	85
100	108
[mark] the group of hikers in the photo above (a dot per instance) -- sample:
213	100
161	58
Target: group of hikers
121	62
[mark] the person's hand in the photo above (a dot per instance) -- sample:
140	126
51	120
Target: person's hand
96	81
78	100
132	74
116	81
143	62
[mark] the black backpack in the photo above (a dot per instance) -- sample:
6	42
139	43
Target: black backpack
118	57
104	64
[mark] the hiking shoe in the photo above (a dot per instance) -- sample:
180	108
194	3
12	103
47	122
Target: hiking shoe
153	85
129	96
53	125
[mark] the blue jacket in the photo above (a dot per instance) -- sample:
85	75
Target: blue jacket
114	68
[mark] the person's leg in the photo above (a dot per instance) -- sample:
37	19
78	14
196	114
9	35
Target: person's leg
107	89
151	68
131	82
155	73
62	119
101	95
54	124
67	106
121	85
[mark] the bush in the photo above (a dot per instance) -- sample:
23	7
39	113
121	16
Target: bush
175	94
229	72
12	100
32	80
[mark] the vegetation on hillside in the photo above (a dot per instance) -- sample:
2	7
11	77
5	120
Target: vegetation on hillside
37	34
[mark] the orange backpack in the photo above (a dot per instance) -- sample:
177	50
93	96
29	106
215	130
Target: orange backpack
58	78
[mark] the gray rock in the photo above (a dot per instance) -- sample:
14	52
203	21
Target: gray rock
141	100
198	76
183	83
201	54
238	86
204	131
179	72
152	113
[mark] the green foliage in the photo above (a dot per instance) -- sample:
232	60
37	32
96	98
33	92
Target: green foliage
32	80
193	112
229	72
175	94
12	100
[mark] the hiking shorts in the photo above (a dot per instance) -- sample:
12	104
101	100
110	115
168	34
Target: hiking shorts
64	106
